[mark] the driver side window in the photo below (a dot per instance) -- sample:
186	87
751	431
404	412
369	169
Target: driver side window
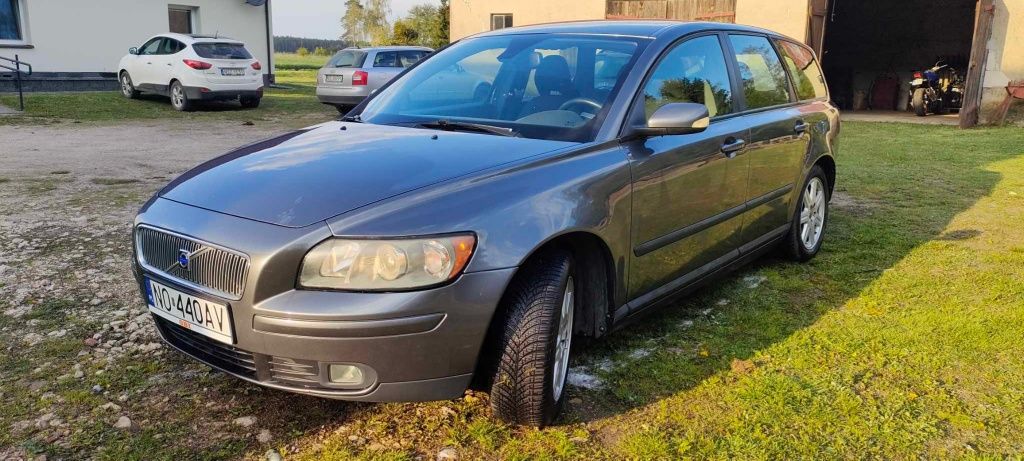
151	47
694	71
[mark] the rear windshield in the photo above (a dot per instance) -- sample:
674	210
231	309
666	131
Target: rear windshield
221	51
347	58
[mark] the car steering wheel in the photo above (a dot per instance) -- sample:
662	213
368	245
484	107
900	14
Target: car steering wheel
580	102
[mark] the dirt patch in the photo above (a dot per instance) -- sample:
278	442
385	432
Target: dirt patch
846	203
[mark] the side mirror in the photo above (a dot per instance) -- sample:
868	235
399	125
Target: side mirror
133	50
675	118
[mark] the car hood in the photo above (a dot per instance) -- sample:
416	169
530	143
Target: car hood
309	175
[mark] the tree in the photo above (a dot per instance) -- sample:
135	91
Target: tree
352	22
302	51
404	33
375	21
444	16
430	23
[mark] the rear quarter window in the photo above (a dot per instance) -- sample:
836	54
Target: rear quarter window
807	76
221	51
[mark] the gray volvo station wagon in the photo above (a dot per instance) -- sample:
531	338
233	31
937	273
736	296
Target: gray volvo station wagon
442	236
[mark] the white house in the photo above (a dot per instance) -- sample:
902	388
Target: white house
76	44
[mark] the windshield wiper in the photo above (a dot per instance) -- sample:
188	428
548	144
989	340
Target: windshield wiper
352	118
448	125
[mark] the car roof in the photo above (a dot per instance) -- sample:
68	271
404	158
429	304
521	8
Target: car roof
643	28
189	39
391	47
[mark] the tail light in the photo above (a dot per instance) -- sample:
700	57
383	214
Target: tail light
198	65
256	65
360	77
918	75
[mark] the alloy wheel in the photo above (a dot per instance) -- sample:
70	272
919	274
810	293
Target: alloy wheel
177	95
126	85
564	339
812	216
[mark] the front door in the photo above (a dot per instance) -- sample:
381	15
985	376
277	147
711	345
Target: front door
144	69
688	190
779	135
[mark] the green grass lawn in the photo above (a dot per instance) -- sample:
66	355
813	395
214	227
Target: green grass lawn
292	61
296	106
902	340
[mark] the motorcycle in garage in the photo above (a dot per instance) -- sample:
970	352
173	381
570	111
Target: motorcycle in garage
936	90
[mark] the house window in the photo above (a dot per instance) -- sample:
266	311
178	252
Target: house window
181	20
501	21
11	30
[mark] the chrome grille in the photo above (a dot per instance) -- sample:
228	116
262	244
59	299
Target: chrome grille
212	269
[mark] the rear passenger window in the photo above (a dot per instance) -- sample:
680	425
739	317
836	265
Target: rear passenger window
764	79
386	59
803	69
693	71
408	58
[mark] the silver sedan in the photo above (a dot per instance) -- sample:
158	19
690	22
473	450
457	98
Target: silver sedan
353	74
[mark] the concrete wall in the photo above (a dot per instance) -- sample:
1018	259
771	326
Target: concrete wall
92	36
469	17
1005	54
787	17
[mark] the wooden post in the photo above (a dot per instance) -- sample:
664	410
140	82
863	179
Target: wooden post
969	113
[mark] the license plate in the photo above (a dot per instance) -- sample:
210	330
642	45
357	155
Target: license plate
334	78
232	72
189	312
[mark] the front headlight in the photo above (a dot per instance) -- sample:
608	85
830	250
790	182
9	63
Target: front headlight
385	265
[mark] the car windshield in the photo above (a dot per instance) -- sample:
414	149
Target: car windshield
542	86
221	51
347	58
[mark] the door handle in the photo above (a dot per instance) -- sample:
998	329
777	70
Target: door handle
732	146
801	127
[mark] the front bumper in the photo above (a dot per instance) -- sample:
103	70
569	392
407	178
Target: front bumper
412	346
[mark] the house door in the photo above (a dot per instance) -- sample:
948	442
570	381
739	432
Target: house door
816	26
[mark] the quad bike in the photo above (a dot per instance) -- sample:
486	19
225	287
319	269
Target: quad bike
936	90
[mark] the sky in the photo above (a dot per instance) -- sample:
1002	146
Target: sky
322	18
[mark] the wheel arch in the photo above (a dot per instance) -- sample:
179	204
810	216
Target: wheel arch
828	164
595	272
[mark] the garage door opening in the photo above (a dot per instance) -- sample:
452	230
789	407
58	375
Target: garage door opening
871	49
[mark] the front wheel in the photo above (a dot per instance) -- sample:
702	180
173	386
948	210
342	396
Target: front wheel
529	383
179	100
808	228
127	87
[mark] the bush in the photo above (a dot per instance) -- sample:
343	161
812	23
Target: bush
302	51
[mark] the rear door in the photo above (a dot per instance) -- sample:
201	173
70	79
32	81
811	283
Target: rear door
778	135
688	190
232	63
385	65
338	71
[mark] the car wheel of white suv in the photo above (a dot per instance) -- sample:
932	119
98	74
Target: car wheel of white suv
179	99
127	88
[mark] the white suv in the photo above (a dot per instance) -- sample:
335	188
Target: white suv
191	68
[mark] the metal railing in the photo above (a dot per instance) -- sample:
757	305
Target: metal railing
18	72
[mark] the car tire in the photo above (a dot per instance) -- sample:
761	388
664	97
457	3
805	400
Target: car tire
807	231
919	103
528	386
128	87
179	99
249	102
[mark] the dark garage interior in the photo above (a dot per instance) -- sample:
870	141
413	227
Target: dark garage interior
872	48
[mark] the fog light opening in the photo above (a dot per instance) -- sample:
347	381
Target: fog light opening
346	375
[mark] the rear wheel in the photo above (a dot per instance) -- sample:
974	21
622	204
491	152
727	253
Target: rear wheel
249	102
179	100
808	228
536	341
920	102
127	87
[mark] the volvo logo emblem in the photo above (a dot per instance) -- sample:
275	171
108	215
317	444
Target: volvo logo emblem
185	258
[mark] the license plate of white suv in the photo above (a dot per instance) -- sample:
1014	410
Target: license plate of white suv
207	318
232	71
